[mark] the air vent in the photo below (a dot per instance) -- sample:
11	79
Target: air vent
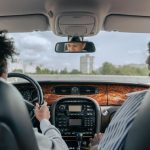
88	90
75	90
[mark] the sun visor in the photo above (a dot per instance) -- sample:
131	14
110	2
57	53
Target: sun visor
127	23
24	23
75	24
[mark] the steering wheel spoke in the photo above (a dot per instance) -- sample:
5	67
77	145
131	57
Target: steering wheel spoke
35	100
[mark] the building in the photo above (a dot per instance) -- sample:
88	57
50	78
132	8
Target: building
17	65
86	64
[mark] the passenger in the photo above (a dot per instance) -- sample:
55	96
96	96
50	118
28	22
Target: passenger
75	47
50	139
116	132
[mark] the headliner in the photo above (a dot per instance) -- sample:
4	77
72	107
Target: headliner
101	8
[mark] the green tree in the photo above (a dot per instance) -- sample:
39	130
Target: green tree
38	70
110	69
64	71
75	71
107	69
131	70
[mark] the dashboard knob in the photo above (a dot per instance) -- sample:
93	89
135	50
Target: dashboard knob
62	108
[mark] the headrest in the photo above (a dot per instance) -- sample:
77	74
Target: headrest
14	119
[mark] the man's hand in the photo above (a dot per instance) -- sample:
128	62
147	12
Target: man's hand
94	142
42	112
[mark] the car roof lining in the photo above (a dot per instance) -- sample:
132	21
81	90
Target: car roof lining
111	14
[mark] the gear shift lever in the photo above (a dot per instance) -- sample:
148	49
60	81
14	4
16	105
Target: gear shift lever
79	140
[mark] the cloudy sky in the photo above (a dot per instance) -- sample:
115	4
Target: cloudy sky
117	48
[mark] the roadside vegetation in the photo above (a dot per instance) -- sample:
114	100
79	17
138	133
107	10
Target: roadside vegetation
106	69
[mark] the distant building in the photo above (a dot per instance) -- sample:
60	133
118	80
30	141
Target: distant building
86	64
29	68
17	65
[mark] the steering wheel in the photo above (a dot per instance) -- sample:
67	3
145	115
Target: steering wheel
40	100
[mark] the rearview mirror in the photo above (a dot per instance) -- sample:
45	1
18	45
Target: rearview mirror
75	47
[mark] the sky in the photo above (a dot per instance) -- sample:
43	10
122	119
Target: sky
115	47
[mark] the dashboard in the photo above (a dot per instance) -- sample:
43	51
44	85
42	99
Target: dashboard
79	107
104	94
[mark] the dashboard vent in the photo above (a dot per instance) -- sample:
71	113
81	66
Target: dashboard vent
73	90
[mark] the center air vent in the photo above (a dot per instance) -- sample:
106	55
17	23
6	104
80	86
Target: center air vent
75	90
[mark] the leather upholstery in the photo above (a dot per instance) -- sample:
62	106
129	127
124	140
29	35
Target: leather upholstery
16	131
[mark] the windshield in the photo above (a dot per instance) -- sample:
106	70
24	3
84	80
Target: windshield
116	54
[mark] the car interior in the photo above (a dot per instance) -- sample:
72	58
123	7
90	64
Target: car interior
83	102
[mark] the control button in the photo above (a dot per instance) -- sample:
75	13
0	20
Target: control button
84	143
62	108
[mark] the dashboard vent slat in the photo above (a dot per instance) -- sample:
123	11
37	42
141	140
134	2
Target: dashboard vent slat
75	90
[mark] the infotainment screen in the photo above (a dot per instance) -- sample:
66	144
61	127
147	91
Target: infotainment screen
74	122
75	108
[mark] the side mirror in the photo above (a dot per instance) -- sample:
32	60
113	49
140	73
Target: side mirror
75	47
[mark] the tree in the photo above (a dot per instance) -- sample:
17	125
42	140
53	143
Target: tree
75	71
38	70
110	69
64	71
107	69
42	70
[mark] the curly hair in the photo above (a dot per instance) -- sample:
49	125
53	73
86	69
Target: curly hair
7	50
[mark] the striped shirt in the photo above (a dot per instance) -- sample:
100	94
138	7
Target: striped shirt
116	132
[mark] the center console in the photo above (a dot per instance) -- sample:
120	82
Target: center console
76	118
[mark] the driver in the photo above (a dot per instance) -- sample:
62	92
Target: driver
75	47
50	139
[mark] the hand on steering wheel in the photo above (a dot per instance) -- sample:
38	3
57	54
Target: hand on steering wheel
30	105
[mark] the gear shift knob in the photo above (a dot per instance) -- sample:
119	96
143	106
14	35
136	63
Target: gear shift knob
79	136
79	140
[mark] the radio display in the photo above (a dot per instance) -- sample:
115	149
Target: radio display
75	108
74	122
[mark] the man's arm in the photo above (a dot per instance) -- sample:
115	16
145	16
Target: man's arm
50	139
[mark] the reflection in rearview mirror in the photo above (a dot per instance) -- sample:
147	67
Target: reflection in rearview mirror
75	47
